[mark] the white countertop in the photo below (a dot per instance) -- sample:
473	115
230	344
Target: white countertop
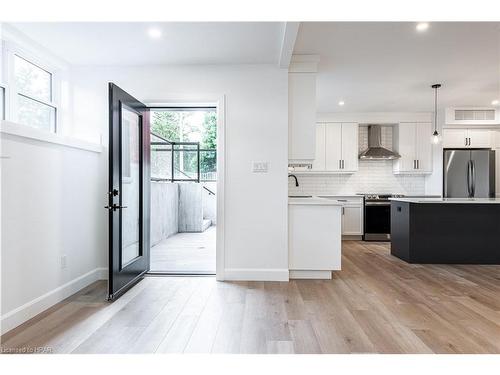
449	200
314	200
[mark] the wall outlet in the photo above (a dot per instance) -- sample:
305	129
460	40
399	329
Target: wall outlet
260	166
64	261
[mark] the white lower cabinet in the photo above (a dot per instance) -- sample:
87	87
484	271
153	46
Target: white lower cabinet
314	240
352	221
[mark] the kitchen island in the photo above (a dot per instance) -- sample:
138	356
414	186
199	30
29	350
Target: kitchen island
314	237
446	230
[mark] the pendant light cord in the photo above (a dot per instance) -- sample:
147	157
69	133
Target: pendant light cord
435	108
435	86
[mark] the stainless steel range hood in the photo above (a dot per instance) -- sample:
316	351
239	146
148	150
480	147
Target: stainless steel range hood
375	151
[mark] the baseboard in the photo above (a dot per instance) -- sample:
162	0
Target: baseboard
256	274
306	274
27	311
350	237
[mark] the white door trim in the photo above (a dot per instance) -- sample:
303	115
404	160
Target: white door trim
219	101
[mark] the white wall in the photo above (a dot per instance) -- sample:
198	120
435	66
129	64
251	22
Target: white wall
53	190
256	130
434	182
52	202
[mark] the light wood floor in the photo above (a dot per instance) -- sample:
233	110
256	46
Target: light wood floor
376	304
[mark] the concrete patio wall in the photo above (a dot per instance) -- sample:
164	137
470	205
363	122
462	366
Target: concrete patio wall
210	202
164	210
190	207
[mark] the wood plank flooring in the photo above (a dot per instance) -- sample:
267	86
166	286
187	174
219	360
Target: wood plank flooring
376	304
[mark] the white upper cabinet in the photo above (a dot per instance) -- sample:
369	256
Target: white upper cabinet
302	108
333	147
467	138
424	147
350	146
336	147
320	157
412	140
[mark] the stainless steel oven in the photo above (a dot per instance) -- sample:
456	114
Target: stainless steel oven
377	217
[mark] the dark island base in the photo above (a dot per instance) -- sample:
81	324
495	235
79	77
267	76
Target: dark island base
445	233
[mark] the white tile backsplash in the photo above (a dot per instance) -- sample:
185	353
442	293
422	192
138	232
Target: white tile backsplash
372	177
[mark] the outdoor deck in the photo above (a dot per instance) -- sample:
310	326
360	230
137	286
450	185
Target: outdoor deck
185	253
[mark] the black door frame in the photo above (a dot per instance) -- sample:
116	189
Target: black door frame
122	278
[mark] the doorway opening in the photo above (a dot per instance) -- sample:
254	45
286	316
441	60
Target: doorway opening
183	190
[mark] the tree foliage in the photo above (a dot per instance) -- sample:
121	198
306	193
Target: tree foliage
184	126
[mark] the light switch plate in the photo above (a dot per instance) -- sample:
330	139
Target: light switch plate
260	166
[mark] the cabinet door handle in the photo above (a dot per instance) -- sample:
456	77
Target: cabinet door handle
343	211
414	165
418	164
343	164
340	164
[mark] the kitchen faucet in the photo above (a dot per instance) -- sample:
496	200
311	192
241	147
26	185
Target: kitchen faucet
296	181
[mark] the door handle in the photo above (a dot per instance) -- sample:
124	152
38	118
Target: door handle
343	164
114	193
418	164
469	188
473	178
340	164
114	207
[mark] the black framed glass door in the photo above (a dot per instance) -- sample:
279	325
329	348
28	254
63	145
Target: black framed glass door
129	191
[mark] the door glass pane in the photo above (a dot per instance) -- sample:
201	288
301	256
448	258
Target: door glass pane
32	80
35	114
131	177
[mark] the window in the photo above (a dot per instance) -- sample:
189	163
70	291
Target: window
34	95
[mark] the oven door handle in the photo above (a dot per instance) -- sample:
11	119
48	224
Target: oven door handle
377	203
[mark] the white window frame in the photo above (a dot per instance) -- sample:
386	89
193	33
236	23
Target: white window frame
12	50
5	106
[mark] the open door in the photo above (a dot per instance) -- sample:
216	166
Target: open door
129	191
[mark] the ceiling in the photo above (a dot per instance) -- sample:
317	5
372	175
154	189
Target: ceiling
128	43
389	66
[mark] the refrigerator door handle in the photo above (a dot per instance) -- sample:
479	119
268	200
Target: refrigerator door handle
469	193
473	178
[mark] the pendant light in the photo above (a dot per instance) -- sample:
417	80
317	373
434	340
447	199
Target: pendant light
435	136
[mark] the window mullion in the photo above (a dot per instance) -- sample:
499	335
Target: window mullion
49	104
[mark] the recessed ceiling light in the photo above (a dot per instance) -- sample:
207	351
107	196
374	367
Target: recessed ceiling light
341	103
422	26
495	102
154	33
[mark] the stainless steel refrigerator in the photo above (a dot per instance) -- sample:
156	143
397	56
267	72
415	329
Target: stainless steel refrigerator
469	173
